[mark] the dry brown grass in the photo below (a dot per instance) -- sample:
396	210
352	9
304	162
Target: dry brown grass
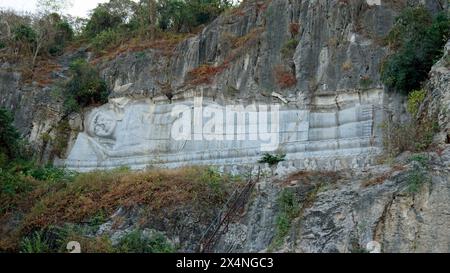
382	178
158	190
284	77
204	74
294	28
164	44
312	177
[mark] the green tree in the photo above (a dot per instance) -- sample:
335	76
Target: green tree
9	137
417	39
183	16
85	86
109	16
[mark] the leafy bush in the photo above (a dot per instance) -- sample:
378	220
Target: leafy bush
104	40
414	135
105	17
36	243
9	137
213	179
289	47
49	174
422	160
54	239
418	40
272	159
25	34
288	210
63	35
136	242
415	98
183	16
85	87
417	176
13	184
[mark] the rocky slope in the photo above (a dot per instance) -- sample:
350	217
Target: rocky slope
403	205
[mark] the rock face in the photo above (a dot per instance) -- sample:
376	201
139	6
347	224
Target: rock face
318	61
438	101
347	213
402	207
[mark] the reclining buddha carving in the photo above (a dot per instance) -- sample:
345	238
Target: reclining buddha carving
139	133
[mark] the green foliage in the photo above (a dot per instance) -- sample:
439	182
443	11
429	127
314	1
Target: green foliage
214	180
63	35
418	39
36	243
422	160
417	175
49	174
415	135
107	16
288	210
12	184
416	178
289	47
43	35
54	239
25	34
136	242
183	16
9	137
415	98
272	159
106	39
85	87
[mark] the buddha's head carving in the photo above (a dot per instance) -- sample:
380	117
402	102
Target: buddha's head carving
102	124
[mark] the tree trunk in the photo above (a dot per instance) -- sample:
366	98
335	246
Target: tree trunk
152	18
38	48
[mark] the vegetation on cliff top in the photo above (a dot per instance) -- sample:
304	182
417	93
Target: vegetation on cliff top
417	39
33	38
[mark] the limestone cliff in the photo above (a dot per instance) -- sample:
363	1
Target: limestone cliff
319	61
344	211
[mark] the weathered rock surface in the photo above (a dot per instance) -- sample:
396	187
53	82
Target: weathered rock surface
319	60
368	204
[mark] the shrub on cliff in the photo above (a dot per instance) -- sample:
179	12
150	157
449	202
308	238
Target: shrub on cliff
417	39
9	137
85	88
414	135
105	40
137	242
